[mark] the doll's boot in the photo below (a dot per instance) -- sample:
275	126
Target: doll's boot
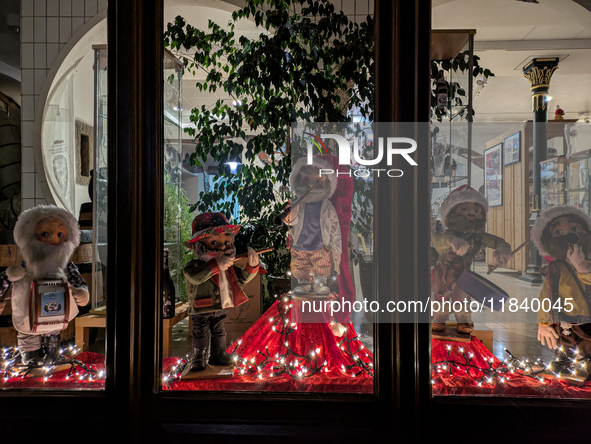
464	325
218	355
438	323
438	327
198	363
32	358
302	288
52	350
320	287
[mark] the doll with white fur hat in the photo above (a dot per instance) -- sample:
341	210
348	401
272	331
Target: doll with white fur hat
46	237
464	214
564	318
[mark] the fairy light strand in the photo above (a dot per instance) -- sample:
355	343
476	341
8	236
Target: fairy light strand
264	364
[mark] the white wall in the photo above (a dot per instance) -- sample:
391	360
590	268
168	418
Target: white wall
46	28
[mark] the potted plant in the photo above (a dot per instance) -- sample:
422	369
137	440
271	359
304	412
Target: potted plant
309	63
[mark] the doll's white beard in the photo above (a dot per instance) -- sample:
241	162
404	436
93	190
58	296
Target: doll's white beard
43	260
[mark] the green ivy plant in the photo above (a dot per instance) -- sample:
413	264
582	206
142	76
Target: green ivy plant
309	63
455	93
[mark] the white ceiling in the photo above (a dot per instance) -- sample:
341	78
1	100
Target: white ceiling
508	33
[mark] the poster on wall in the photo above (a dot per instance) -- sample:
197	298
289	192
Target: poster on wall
493	176
512	149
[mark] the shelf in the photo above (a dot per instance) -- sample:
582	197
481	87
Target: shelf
447	43
447	179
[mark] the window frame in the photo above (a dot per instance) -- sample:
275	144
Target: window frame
402	400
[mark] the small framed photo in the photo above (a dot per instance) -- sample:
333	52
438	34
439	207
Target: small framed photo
493	175
513	148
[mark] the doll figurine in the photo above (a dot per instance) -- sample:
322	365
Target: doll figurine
46	237
213	285
564	233
464	214
315	227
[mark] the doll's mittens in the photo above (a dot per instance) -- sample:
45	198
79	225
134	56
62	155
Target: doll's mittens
577	257
548	336
338	329
80	295
224	262
253	257
503	255
459	246
337	263
15	273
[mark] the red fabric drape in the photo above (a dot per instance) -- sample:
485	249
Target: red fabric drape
465	382
335	380
58	380
307	337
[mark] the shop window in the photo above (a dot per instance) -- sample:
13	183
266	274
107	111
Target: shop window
508	284
233	297
54	256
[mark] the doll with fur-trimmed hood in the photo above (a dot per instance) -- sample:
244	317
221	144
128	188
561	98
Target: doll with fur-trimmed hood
464	214
315	228
564	318
46	237
214	285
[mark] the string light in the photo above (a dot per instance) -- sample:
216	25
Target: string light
11	366
288	362
512	366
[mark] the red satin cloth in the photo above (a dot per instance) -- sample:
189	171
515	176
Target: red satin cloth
317	337
465	382
58	380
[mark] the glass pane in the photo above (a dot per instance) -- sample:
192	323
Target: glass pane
492	337
234	326
54	153
498	249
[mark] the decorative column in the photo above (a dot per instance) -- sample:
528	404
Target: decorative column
538	72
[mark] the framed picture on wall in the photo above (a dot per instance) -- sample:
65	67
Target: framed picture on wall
513	148
493	175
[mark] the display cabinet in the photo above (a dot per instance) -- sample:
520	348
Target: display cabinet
553	176
172	168
173	131
577	180
99	178
451	141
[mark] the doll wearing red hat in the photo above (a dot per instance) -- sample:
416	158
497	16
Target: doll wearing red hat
464	214
213	285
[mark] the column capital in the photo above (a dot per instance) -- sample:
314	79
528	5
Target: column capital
539	72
